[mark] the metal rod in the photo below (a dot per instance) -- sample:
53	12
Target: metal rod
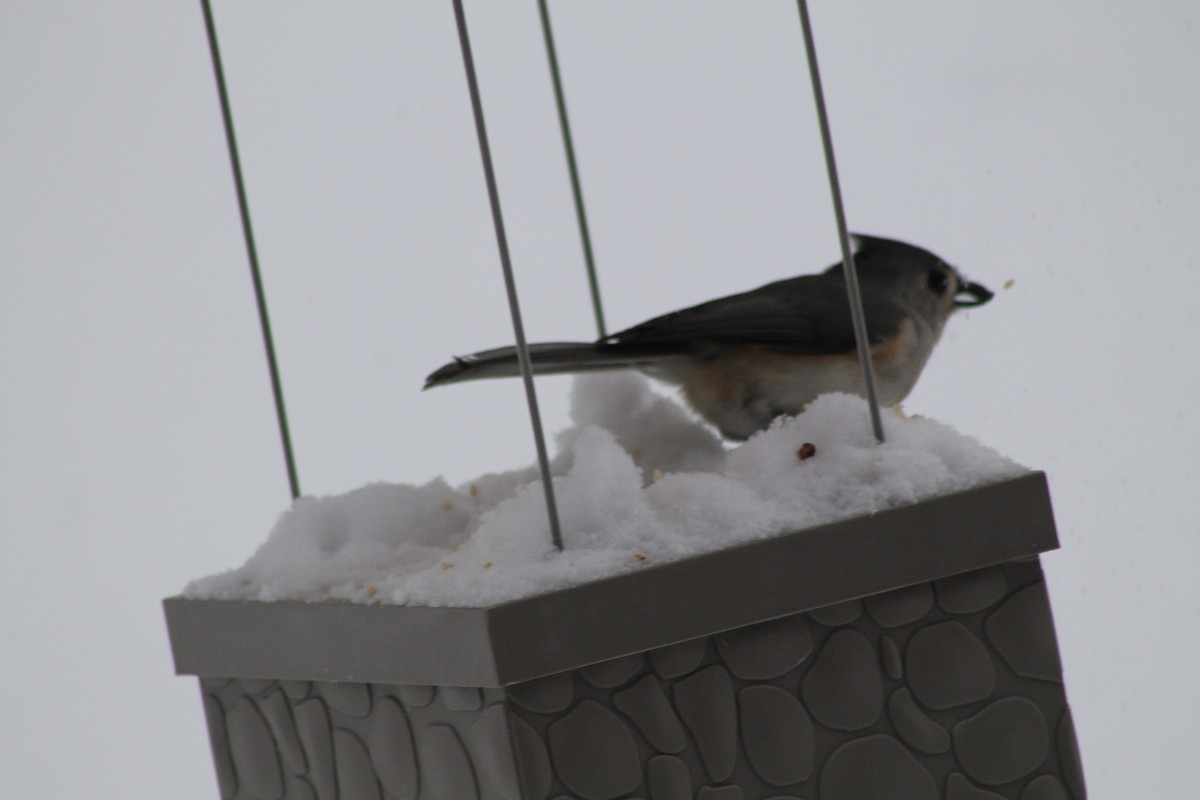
509	282
251	252
852	289
576	190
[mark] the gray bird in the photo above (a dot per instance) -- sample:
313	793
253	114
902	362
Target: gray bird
743	360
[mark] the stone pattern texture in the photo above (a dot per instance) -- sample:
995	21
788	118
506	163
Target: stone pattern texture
946	690
357	741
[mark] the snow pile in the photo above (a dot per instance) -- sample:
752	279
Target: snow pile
638	482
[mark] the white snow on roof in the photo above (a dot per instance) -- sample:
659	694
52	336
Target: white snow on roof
638	482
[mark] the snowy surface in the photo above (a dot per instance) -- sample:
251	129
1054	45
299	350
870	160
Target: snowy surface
638	482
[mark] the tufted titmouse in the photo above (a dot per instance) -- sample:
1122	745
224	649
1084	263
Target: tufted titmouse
745	359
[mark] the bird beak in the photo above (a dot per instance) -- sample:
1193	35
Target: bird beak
971	294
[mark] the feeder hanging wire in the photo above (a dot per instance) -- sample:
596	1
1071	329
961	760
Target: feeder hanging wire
251	251
509	282
576	190
852	289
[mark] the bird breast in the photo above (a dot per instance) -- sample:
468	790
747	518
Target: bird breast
741	388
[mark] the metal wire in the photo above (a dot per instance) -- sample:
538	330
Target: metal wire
509	282
577	192
251	252
852	289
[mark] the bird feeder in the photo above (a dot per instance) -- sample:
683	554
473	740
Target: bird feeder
909	653
906	654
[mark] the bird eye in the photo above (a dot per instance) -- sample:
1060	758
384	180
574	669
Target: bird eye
938	281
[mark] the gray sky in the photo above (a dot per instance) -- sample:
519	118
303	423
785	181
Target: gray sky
1052	145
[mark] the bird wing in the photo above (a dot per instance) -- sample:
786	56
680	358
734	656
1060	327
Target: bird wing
808	315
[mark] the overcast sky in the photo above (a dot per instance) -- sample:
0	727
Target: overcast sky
1048	144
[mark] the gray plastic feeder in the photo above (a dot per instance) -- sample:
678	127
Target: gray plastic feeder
908	654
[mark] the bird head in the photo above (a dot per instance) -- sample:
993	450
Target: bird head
921	279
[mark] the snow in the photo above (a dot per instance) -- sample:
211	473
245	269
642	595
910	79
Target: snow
638	482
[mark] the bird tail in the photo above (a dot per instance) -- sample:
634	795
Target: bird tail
547	358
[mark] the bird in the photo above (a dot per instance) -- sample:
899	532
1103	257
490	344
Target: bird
743	360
